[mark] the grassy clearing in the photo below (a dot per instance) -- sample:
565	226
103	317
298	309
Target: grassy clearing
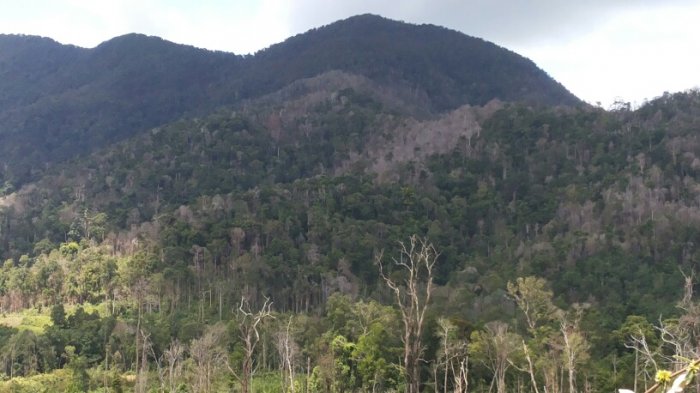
29	319
37	320
101	308
56	381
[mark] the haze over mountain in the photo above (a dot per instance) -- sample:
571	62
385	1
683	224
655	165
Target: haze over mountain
58	101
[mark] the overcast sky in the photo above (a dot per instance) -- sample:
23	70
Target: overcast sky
601	50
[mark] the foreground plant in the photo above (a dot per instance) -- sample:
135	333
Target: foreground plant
681	379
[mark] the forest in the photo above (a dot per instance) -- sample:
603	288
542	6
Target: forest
365	219
264	249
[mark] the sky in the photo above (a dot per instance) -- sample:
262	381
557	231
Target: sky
601	50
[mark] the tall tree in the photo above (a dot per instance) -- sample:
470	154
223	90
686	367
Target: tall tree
416	263
496	348
249	322
208	355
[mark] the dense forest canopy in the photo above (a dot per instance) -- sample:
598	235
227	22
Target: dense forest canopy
58	101
380	224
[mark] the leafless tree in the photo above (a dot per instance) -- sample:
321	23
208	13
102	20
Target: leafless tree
139	290
249	327
534	299
575	345
530	367
142	374
460	372
689	322
174	356
208	355
496	347
452	357
416	262
288	351
638	343
160	370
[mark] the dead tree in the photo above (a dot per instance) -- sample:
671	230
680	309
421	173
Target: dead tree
139	290
208	354
249	328
160	370
288	351
460	374
638	342
416	262
142	374
575	345
174	356
452	357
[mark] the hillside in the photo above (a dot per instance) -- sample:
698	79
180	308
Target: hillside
291	196
451	69
565	236
543	188
58	101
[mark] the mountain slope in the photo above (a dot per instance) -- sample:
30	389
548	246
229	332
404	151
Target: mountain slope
31	67
61	101
579	196
451	68
290	198
94	97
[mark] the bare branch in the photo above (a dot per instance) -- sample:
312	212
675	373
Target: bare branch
416	262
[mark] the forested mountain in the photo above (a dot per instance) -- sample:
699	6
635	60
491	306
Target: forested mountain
60	101
559	240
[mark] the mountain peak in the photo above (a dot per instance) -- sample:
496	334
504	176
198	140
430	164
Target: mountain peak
451	67
132	41
65	101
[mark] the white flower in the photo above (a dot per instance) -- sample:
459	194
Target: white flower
624	391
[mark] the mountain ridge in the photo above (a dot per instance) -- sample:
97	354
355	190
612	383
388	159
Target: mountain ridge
81	99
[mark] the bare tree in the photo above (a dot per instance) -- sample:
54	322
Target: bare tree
496	347
160	370
638	342
452	357
174	356
534	299
575	345
416	262
208	355
689	322
249	328
139	289
459	375
142	368
288	351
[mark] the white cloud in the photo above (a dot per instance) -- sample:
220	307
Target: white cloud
635	55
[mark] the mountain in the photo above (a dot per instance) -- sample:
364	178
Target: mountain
89	98
452	69
60	101
329	162
178	202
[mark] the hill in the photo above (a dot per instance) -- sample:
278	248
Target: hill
290	197
61	101
566	234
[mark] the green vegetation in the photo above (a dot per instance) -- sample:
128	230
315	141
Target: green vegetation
581	219
57	101
270	245
27	319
